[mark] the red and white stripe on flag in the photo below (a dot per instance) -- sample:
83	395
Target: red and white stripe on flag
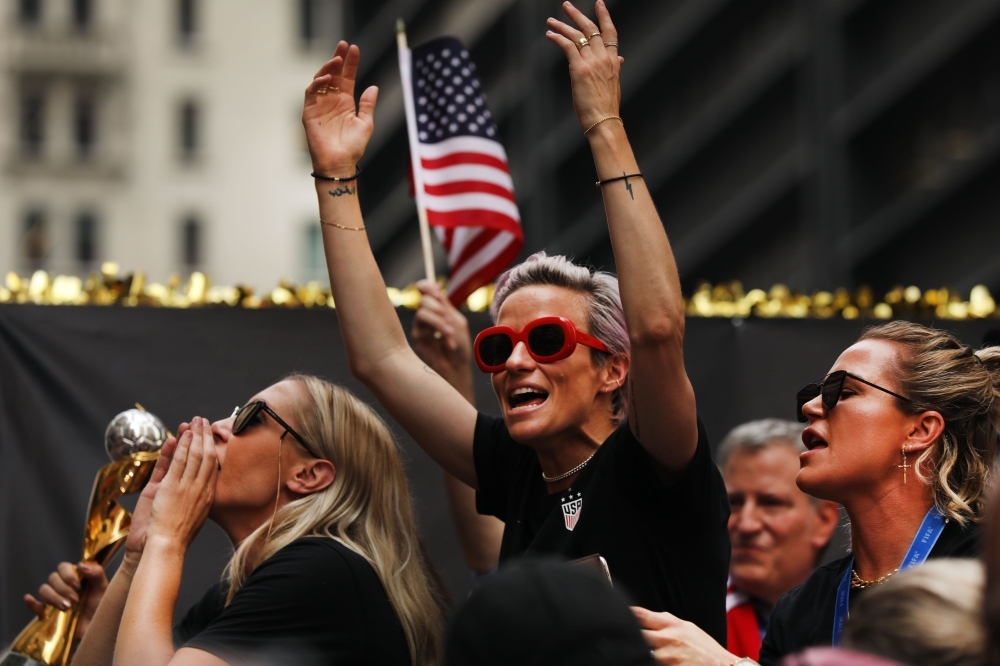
460	172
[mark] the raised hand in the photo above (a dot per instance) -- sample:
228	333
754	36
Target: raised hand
185	494
64	589
594	65
336	132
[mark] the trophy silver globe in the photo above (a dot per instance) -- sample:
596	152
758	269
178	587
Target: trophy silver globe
132	431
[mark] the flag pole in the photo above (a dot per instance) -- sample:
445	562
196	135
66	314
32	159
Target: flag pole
411	131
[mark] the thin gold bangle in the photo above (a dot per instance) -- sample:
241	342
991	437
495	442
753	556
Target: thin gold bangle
601	121
340	226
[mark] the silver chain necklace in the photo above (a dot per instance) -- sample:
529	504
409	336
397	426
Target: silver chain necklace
553	479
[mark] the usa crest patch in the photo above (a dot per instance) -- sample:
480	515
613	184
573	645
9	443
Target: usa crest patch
571	507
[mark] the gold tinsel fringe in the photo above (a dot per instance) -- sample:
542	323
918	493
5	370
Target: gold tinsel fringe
724	300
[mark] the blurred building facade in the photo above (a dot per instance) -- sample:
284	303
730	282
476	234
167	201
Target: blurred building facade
164	135
819	143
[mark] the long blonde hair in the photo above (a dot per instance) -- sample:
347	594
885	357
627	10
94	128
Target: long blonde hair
367	508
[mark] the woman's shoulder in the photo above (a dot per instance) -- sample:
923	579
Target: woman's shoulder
804	615
959	540
823	579
318	559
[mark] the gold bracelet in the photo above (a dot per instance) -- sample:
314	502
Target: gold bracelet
340	226
601	121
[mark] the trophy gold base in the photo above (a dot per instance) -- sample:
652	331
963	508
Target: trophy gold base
48	641
15	659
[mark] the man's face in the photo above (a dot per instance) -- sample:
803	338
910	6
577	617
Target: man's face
776	530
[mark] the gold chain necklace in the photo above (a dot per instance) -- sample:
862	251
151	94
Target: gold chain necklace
859	583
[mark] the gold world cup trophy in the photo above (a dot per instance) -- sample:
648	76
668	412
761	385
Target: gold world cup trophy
133	441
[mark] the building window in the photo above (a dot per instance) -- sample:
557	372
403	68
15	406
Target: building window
318	23
86	238
85	124
83	14
314	259
35	241
189	130
30	12
32	122
187	20
191	242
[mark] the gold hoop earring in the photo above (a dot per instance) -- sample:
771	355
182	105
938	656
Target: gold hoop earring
904	466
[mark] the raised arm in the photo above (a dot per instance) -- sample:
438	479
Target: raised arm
431	411
661	404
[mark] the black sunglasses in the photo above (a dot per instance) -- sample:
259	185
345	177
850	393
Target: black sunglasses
244	417
830	388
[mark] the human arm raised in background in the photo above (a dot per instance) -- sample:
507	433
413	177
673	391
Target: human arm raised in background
661	406
441	339
436	415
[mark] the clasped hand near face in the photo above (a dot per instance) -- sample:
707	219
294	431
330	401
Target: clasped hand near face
183	497
180	513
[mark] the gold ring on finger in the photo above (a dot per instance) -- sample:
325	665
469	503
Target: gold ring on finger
596	34
322	91
580	43
614	44
335	89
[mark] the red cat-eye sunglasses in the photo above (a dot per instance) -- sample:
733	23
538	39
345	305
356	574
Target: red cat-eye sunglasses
547	339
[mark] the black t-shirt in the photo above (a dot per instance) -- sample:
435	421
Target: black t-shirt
315	601
667	546
804	616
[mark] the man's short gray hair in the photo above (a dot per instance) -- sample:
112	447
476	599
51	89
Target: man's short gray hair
756	435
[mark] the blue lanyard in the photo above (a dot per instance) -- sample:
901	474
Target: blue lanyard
928	534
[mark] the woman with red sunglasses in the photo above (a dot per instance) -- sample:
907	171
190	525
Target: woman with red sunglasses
569	358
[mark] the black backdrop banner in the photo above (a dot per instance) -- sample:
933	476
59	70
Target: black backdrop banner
65	372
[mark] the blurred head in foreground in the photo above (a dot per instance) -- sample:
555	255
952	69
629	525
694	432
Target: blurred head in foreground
777	531
928	615
539	613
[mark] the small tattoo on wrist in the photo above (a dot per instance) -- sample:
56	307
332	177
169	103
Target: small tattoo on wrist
341	191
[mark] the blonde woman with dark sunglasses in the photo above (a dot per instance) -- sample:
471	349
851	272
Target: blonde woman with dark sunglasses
307	483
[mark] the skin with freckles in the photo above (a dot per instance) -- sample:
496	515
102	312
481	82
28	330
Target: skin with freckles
575	412
776	530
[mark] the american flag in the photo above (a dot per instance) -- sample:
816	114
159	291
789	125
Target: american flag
459	166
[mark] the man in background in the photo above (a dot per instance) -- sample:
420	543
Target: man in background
778	535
